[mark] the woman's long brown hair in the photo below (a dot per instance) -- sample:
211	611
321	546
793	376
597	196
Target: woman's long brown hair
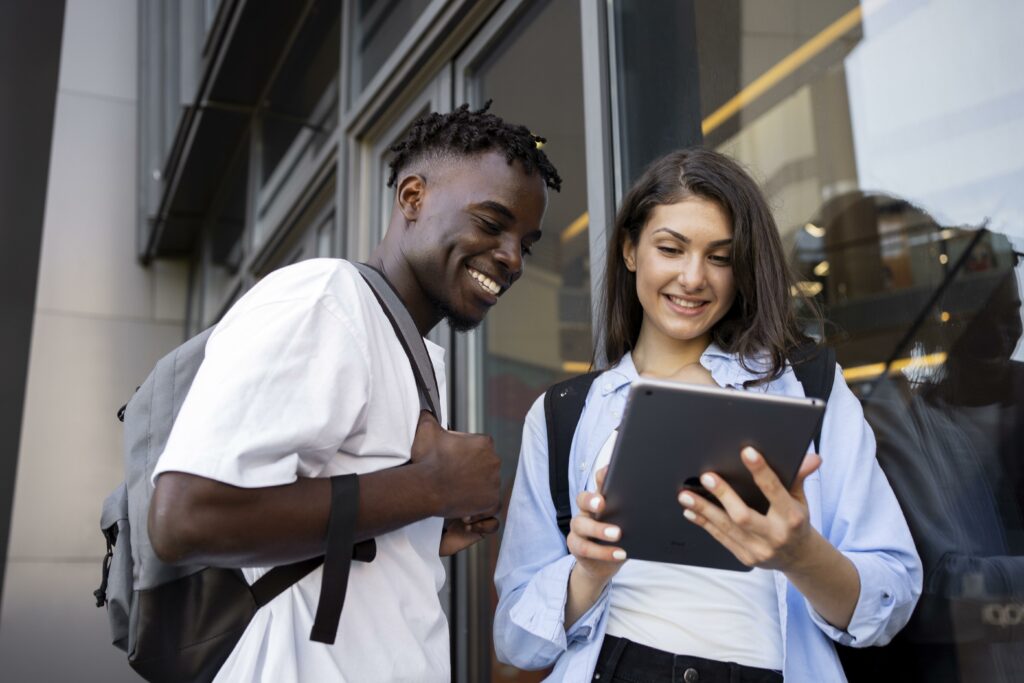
761	324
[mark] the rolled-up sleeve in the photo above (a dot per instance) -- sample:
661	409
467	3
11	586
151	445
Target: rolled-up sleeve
862	519
532	575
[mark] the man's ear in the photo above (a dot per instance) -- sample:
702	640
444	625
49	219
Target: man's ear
629	254
410	193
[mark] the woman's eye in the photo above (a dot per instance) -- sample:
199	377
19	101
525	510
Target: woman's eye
669	251
721	260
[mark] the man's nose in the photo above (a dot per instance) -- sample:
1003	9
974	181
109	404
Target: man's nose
510	255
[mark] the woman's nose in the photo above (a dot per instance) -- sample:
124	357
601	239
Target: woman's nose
692	275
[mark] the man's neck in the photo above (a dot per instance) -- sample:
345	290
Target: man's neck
399	275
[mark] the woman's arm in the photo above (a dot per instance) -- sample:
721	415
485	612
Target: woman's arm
534	567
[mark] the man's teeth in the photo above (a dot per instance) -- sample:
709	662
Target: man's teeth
485	282
686	304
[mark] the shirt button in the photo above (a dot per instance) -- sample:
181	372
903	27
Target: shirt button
583	466
691	676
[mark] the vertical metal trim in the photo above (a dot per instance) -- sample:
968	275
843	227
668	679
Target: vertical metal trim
602	167
611	56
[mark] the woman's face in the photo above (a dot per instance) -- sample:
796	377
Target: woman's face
683	266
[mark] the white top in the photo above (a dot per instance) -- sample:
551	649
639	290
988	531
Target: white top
305	377
695	610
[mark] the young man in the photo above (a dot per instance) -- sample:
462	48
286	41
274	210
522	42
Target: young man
304	379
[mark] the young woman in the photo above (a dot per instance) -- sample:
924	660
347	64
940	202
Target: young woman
697	288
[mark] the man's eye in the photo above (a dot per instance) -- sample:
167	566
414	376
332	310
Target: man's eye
527	250
490	228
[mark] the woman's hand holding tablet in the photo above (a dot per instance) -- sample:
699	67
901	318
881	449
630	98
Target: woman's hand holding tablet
776	539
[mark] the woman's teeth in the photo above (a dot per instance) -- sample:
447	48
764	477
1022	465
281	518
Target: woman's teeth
484	281
683	303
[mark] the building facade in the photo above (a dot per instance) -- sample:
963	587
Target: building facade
888	134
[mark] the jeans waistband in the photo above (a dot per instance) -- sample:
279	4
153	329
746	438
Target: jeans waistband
631	661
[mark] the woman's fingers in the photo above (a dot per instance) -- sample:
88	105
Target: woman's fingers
708	515
589	503
812	461
583	531
735	509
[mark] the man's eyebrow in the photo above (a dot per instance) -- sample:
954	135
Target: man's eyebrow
686	240
497	207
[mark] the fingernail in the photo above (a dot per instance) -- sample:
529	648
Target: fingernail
467	519
619	554
686	499
595	503
612	532
749	454
690	515
709	481
469	528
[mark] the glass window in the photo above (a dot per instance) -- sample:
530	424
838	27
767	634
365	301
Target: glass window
377	29
302	104
894	165
222	240
311	235
541	331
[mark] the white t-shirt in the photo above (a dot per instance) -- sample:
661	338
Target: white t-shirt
305	377
695	610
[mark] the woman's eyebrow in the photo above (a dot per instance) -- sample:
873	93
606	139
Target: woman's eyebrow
686	240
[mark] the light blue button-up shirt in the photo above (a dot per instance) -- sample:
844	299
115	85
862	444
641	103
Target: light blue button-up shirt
850	503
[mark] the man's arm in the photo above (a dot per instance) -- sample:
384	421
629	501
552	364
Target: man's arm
195	520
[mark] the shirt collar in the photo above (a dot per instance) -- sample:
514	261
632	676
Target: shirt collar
725	368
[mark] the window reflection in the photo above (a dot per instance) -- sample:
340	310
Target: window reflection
541	330
892	168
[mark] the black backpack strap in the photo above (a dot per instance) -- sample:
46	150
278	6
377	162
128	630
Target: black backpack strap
408	335
815	368
563	405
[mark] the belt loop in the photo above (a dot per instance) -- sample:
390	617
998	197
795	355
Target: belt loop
618	646
735	673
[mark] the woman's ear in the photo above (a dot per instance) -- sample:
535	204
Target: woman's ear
409	195
629	254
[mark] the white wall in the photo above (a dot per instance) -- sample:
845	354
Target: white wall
101	322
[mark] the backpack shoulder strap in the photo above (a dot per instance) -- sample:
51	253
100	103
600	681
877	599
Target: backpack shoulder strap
563	405
408	335
815	368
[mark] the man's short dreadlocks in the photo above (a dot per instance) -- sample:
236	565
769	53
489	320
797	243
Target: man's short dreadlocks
465	132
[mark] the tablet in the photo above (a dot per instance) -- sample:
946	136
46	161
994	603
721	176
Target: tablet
670	434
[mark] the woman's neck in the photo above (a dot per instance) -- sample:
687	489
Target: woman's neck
657	355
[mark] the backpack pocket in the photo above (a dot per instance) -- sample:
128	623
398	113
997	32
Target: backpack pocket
115	590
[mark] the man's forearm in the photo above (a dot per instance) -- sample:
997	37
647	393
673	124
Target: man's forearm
194	520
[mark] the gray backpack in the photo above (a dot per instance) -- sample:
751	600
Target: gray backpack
180	623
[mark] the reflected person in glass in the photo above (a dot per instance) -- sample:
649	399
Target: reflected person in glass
697	288
951	441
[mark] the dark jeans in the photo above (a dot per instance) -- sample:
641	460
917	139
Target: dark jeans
623	661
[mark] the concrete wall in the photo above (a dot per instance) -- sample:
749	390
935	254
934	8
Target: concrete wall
101	322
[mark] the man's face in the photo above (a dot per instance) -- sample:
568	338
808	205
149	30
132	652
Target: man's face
478	218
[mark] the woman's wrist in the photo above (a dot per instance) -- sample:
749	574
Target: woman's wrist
583	591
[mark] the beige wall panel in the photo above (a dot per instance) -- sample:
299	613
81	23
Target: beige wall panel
98	53
81	370
88	261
